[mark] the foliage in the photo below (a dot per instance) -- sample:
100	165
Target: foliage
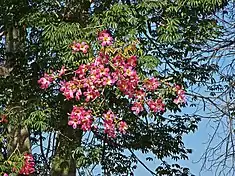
170	35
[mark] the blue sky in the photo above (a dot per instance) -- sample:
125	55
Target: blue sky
197	141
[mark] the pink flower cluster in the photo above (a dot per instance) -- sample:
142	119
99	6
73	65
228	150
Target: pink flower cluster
129	83
80	47
90	79
105	38
80	116
151	84
157	105
180	99
117	72
126	75
84	119
46	81
28	167
109	124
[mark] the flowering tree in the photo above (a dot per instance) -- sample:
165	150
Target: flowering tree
103	102
109	96
91	85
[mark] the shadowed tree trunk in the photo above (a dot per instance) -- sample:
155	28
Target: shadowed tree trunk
15	51
63	163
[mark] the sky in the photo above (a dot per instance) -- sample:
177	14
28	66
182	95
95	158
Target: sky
196	141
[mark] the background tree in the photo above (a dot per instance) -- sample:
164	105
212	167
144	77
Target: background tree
218	100
14	90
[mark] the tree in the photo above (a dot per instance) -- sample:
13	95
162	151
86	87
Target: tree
218	102
167	34
13	59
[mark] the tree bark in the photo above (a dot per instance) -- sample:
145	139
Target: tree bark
15	44
63	163
77	11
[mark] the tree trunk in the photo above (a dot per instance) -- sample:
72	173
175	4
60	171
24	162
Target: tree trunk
78	11
63	162
15	44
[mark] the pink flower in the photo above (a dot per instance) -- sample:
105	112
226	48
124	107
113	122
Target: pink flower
128	85
129	72
78	94
68	89
140	94
28	167
80	116
137	107
87	122
156	106
180	99
122	85
105	38
102	71
109	116
91	94
71	87
73	122
177	87
132	61
69	94
81	71
62	71
75	46
109	128
84	47
108	81
151	84
118	61
45	81
5	174
122	127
